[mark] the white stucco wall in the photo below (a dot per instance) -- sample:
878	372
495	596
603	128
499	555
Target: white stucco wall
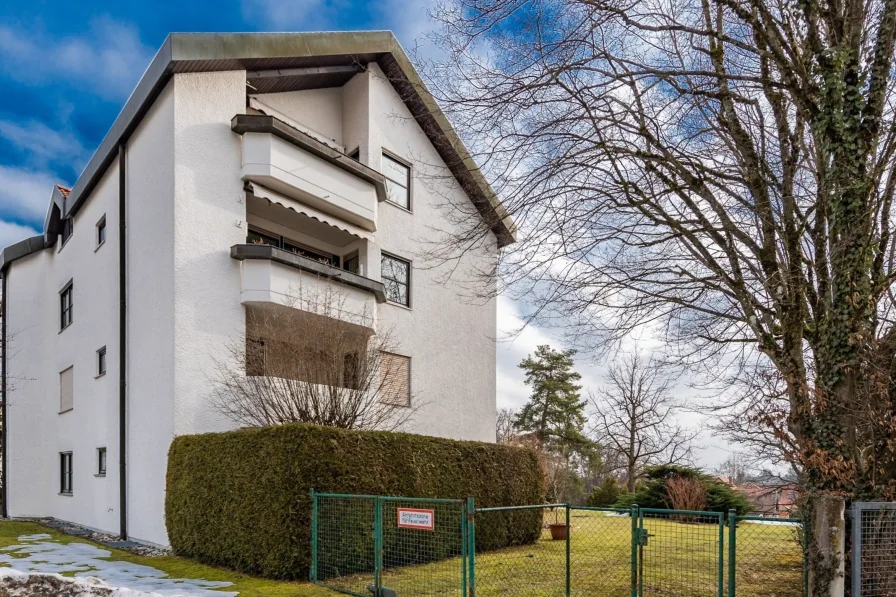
150	323
210	217
30	410
318	111
38	431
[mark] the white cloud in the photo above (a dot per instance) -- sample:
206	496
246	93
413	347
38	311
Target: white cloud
25	194
522	341
11	232
295	15
44	144
108	59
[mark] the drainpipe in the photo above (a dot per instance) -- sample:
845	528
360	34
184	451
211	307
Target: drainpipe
3	476
122	341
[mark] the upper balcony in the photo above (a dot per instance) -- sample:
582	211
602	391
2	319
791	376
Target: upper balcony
289	161
277	277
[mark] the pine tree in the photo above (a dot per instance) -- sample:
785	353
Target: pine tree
555	413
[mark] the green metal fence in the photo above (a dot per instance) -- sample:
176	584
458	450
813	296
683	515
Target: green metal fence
387	546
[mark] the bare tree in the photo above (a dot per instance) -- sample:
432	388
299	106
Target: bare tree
504	425
721	169
735	469
635	416
313	365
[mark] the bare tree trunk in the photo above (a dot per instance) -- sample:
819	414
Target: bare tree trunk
827	544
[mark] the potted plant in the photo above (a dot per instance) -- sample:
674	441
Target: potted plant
558	529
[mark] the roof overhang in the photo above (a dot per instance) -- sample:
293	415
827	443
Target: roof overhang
291	61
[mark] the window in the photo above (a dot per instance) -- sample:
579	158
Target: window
396	372
101	231
65	473
255	356
101	462
65	306
101	361
352	263
351	371
66	390
68	226
398	181
257	237
396	275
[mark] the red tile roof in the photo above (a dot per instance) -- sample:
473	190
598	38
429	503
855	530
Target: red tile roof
64	190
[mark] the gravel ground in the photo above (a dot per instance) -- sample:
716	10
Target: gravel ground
104	538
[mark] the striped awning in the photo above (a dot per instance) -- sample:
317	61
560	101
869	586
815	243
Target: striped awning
305	210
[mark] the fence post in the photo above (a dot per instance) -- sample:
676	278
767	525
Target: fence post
721	567
378	547
635	543
732	552
312	574
568	534
471	544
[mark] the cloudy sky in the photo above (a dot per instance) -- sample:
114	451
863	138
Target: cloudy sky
66	69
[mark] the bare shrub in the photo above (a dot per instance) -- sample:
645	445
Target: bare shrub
685	493
313	360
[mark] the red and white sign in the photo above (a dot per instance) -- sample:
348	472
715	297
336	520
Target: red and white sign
413	518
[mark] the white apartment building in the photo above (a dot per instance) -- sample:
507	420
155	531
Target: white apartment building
242	165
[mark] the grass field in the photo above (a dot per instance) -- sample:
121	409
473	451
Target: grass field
680	560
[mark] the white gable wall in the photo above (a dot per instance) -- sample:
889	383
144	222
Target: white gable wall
451	341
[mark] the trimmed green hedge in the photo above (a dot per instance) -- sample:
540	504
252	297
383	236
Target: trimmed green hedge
241	499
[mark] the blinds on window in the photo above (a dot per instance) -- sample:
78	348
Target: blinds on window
396	371
66	390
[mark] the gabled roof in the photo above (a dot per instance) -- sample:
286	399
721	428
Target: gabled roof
291	61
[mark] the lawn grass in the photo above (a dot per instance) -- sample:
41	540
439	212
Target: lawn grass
175	567
680	560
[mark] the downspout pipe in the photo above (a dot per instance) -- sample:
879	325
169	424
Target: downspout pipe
122	339
3	443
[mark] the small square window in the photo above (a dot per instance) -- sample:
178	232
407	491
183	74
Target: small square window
101	461
101	361
101	231
65	305
65	473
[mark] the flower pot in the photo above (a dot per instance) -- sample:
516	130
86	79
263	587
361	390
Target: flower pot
558	531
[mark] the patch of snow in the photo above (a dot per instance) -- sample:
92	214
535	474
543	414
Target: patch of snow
39	555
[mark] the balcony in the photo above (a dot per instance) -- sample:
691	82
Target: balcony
276	277
292	162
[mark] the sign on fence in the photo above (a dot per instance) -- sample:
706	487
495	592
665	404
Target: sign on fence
415	518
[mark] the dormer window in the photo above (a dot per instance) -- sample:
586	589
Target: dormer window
68	225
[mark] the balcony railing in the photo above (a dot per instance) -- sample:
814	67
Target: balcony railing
257	284
296	164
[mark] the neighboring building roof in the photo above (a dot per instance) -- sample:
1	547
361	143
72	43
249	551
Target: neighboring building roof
288	62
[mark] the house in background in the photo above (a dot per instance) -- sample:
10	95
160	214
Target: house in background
770	499
241	166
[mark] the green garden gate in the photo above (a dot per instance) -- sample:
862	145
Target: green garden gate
401	547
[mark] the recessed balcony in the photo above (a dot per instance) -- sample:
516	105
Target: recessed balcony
276	277
292	162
